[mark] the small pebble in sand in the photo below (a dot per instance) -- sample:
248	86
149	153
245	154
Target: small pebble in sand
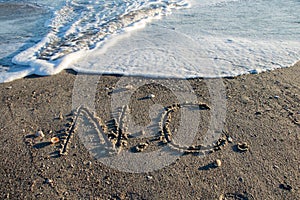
129	87
245	99
150	96
275	167
149	178
217	163
54	140
229	139
39	134
48	181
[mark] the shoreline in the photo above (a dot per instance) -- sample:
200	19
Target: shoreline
262	110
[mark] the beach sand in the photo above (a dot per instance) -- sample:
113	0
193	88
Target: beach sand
262	110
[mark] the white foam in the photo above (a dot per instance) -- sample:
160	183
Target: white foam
78	27
210	39
180	46
205	57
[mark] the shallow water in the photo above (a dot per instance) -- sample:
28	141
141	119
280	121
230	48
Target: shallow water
149	38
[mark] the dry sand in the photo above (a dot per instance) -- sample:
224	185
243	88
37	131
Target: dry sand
262	110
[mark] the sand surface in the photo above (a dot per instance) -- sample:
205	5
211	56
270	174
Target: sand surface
262	110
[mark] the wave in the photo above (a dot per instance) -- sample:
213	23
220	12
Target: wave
79	25
211	38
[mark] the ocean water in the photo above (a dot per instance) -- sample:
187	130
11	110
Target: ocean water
153	38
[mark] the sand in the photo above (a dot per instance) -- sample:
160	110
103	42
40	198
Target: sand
262	110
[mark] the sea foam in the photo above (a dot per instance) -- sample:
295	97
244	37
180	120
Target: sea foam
171	38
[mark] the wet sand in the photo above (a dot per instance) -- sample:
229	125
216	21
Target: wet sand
262	110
